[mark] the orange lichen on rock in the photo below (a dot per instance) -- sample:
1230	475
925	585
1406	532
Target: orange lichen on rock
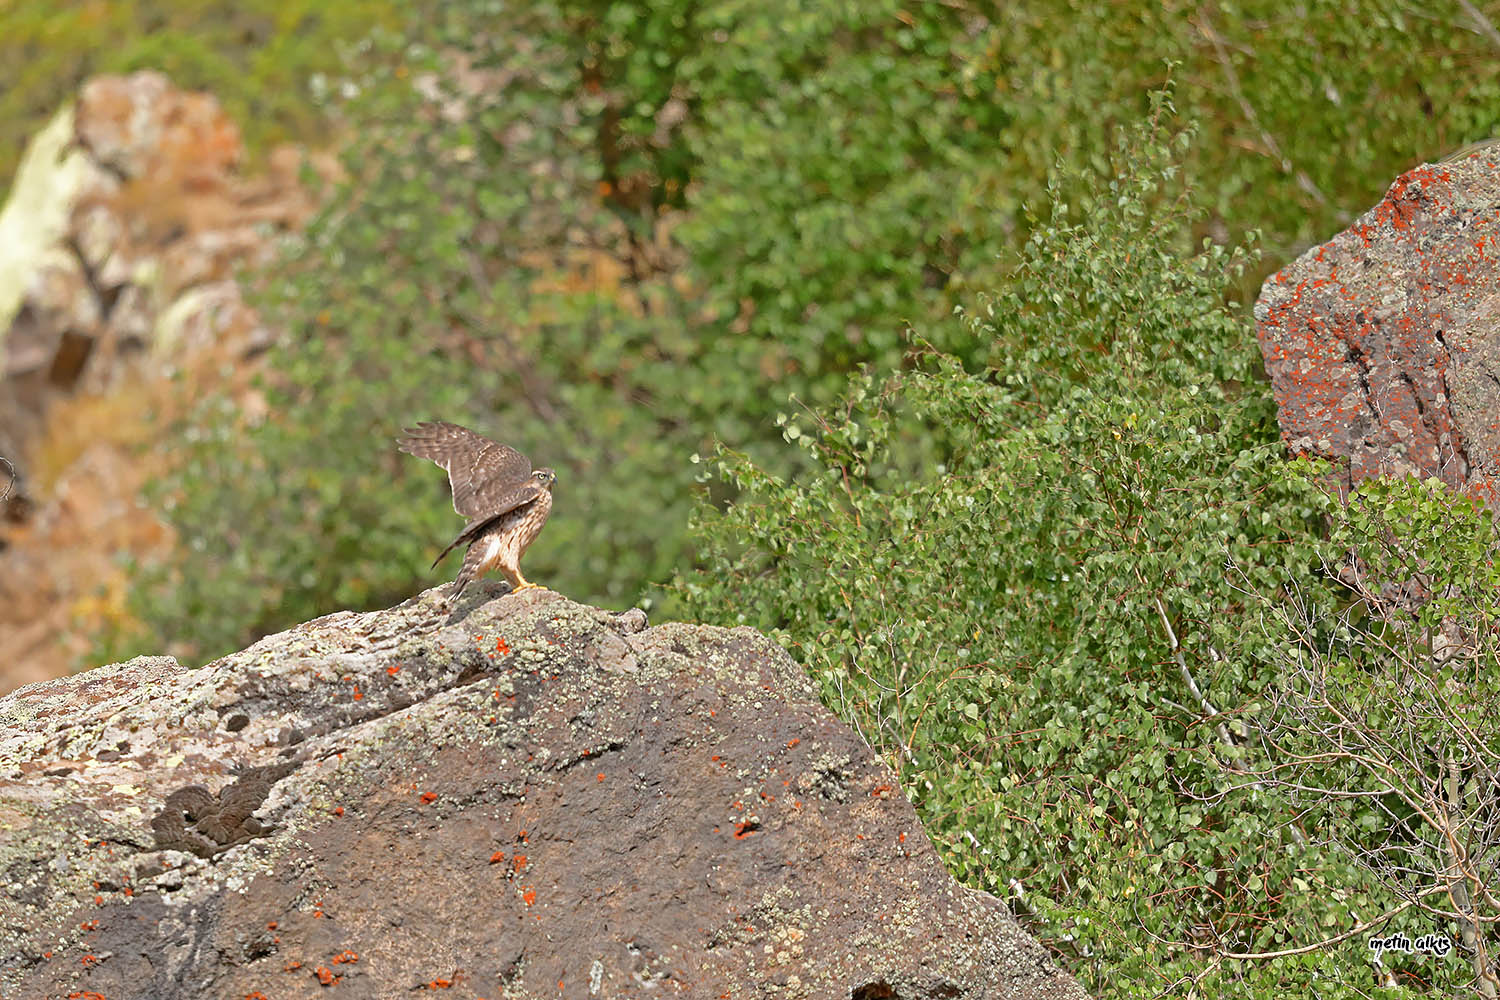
1378	342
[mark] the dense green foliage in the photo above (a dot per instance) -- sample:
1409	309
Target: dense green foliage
649	225
1033	629
465	257
615	233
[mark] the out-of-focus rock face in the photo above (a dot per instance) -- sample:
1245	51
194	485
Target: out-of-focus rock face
136	126
1383	344
119	245
121	236
517	797
123	203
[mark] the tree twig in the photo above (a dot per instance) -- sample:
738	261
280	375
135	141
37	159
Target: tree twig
1256	956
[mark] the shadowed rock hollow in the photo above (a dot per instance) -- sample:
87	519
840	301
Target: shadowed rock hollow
524	798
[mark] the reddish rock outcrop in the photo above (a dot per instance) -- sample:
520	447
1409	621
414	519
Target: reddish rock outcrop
1383	344
119	247
132	259
517	797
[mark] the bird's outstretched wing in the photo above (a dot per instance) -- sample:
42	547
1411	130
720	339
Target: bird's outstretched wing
482	473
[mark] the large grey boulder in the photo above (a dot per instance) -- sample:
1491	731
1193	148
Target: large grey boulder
518	797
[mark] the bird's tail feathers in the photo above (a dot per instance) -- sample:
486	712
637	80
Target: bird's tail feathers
468	571
451	546
467	535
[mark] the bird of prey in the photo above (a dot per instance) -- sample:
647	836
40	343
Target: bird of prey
494	487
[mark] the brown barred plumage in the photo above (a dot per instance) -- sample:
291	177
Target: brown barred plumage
495	488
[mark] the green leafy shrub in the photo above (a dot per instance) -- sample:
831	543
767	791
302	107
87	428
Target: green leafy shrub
1381	725
1033	625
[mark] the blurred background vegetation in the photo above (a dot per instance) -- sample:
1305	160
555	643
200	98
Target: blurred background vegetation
915	332
257	57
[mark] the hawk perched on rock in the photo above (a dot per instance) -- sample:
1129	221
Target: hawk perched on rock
494	487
